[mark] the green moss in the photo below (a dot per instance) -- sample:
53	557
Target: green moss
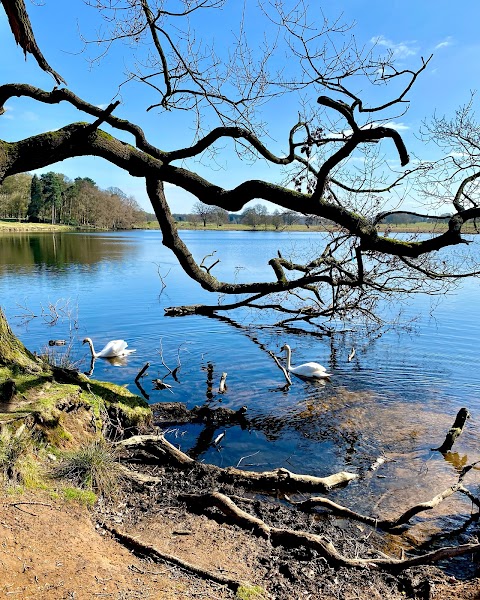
134	409
56	435
84	497
105	135
13	352
250	592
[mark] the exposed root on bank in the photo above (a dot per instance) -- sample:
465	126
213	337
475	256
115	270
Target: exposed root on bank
145	550
402	519
289	538
160	448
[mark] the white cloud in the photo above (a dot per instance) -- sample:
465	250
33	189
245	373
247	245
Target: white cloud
397	126
400	49
102	106
446	42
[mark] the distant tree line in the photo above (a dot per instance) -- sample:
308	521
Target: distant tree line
406	218
259	217
54	198
256	217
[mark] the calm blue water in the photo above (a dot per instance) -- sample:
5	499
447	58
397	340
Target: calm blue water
397	397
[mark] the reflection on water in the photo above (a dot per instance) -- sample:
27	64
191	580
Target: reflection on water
396	398
54	252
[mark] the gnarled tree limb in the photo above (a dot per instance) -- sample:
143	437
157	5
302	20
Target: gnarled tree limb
160	448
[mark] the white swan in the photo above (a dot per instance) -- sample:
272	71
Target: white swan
310	370
112	349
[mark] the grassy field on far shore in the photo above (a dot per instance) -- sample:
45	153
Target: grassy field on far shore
437	228
21	226
387	228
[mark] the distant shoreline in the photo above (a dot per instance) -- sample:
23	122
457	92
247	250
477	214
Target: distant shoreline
21	227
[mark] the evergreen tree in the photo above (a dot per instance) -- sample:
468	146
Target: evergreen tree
36	200
52	193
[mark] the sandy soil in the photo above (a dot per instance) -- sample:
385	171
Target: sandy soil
54	551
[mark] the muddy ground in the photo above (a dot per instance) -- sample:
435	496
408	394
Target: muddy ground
54	550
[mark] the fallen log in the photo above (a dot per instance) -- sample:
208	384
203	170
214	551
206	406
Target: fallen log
162	449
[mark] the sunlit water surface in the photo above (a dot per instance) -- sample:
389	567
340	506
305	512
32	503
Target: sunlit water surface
396	398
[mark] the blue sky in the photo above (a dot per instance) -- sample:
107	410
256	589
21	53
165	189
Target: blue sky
410	28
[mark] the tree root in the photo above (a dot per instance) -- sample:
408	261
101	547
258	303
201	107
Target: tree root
153	553
160	448
385	524
388	524
292	539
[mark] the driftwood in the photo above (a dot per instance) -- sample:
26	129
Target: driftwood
455	431
160	448
292	539
151	552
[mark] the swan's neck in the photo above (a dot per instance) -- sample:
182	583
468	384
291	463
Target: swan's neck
289	354
92	349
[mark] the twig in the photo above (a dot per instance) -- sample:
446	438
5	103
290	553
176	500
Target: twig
162	277
16	505
203	266
160	352
281	367
247	456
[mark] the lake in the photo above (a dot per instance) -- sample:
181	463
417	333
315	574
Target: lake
396	398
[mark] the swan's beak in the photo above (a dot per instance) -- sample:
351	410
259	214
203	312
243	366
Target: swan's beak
84	342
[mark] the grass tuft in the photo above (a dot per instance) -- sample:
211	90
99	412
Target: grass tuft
93	467
83	497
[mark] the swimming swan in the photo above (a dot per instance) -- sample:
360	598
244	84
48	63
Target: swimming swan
310	370
113	348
